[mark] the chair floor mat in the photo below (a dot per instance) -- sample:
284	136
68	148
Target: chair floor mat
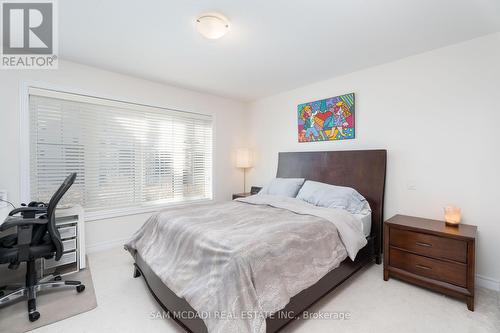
53	305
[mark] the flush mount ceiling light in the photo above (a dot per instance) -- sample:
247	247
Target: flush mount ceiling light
212	25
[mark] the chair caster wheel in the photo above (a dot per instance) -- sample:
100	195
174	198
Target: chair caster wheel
34	316
58	278
80	288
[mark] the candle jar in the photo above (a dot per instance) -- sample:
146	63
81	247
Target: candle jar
452	216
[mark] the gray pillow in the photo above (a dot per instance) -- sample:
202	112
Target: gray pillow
288	187
325	195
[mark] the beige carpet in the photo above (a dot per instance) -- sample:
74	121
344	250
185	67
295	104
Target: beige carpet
53	305
126	306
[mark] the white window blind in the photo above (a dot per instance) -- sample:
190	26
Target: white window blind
126	155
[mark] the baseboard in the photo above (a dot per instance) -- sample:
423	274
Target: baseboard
103	246
487	282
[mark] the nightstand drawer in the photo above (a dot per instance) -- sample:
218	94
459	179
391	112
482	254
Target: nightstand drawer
454	273
429	245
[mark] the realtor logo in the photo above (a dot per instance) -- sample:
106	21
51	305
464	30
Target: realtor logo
28	35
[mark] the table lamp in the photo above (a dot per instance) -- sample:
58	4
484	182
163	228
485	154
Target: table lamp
244	161
452	215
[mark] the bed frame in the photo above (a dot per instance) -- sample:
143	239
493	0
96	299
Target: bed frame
363	170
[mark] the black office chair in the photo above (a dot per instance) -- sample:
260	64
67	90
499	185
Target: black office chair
36	237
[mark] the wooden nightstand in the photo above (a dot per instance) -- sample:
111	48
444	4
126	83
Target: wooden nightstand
241	195
432	255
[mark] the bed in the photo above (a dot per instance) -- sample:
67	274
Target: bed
363	170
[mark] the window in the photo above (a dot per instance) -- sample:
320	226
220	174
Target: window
127	156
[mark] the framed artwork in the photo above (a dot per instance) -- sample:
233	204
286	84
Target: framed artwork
328	119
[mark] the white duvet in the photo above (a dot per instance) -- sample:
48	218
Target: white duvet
237	262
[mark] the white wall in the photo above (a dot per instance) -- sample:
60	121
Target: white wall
228	121
437	114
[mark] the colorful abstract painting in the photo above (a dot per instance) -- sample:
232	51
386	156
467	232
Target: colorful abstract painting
326	120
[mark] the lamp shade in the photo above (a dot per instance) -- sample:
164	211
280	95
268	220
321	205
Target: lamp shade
243	158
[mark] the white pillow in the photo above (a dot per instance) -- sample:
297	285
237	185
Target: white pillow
288	187
325	195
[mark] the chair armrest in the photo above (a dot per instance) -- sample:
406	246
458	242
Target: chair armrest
11	222
36	210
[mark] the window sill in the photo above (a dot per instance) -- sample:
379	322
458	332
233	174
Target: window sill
109	214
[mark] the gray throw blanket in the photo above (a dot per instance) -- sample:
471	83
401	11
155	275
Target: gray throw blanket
237	262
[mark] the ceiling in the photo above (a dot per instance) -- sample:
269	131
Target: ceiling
273	45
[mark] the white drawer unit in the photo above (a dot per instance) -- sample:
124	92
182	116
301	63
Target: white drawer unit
70	224
67	220
69	245
66	258
67	232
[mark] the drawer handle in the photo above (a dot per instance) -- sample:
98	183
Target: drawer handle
423	244
423	267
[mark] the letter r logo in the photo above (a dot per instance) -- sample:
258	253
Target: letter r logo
27	28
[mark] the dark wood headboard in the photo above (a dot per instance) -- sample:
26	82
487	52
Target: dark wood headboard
363	170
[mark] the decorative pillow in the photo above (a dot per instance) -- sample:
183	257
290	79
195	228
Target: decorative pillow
325	195
288	187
